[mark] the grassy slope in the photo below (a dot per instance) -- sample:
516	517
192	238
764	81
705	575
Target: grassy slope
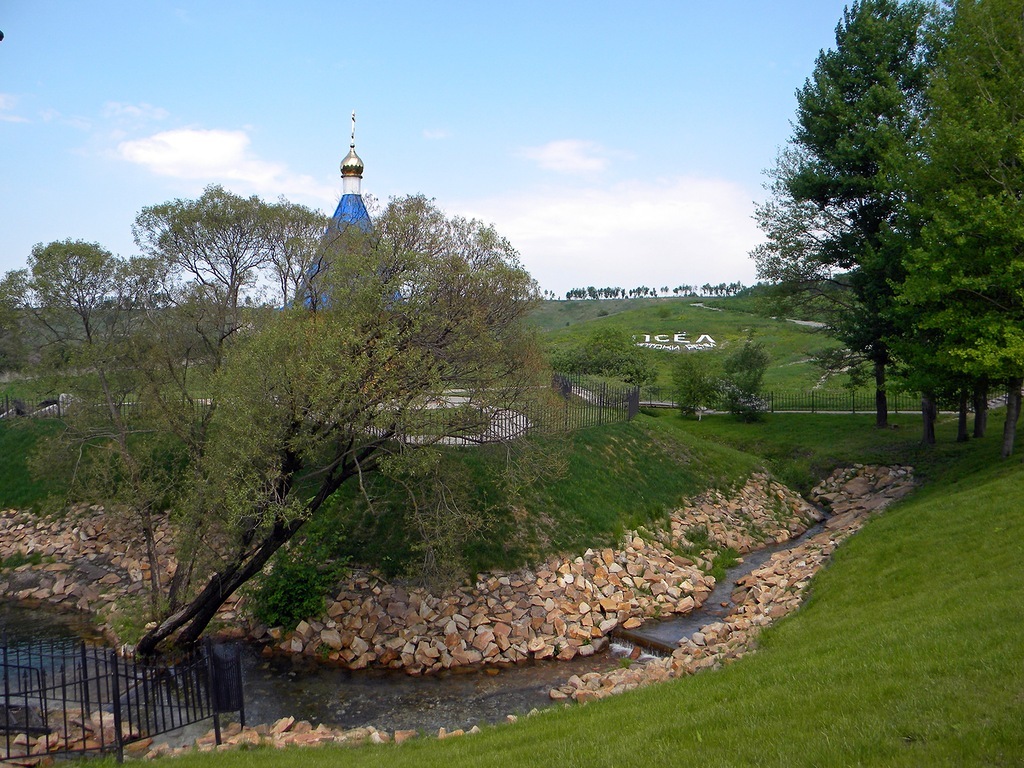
613	478
909	652
567	322
18	488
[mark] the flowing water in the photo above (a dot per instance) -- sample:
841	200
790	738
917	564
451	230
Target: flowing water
301	687
667	633
308	690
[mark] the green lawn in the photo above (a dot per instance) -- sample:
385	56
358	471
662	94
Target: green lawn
909	652
18	488
728	322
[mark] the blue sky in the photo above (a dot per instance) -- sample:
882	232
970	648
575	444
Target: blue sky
614	144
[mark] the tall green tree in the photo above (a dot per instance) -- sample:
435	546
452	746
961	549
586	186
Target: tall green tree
834	220
696	383
964	283
82	304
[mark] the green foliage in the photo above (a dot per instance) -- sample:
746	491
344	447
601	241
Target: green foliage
610	353
837	221
129	616
19	488
582	490
961	296
292	591
696	383
743	379
300	577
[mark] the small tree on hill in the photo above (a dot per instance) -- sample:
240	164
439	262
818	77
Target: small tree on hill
744	375
696	383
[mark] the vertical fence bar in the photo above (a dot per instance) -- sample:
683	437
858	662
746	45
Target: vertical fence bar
212	691
116	680
7	699
86	713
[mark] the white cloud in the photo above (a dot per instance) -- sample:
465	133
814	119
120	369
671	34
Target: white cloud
215	155
679	231
142	112
7	104
435	134
569	156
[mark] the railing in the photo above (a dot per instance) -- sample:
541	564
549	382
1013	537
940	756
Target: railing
802	401
65	697
584	402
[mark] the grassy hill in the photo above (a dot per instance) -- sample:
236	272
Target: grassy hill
909	651
727	321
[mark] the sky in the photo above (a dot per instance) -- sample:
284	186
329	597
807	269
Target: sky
614	144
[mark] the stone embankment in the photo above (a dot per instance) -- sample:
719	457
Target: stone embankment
90	561
767	593
562	609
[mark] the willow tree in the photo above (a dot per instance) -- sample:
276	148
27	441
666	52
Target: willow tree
306	401
242	420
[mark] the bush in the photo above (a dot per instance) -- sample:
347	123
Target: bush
609	353
299	579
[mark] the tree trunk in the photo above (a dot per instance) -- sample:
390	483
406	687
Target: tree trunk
980	407
961	424
195	616
1012	414
190	621
928	413
881	399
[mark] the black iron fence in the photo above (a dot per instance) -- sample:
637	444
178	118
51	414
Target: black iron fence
591	402
802	401
65	697
11	407
583	402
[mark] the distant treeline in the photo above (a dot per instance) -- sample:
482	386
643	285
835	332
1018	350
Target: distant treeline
643	291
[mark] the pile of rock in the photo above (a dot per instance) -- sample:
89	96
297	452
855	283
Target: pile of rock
767	593
90	560
563	609
286	732
761	513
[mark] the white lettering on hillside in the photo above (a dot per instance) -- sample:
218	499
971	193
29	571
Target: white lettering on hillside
674	342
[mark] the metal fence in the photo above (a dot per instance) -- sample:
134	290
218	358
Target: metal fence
590	402
65	697
11	407
802	401
583	402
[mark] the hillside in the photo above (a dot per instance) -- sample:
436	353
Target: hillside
727	321
908	653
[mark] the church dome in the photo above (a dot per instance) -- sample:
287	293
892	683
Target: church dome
351	165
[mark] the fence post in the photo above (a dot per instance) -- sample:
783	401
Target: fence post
812	402
118	741
211	682
7	698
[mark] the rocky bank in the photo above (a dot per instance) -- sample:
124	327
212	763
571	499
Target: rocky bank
563	608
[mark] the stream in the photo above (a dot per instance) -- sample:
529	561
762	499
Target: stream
301	687
667	633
